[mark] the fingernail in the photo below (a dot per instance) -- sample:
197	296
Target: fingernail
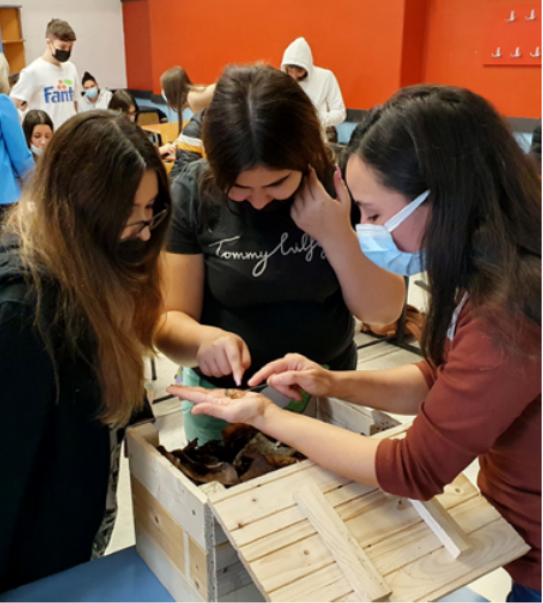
237	379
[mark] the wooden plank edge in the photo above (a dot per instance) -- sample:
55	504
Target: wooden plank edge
360	572
164	569
447	530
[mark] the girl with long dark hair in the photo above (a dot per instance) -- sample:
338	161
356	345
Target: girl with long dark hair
80	298
442	185
245	283
38	129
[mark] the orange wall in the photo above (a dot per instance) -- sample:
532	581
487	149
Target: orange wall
373	46
359	40
413	42
137	43
456	39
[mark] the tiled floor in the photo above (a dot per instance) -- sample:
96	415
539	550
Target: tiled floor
493	587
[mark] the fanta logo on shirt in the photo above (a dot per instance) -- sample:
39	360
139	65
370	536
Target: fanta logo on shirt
63	94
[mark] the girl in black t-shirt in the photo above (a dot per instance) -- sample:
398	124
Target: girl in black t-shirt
244	283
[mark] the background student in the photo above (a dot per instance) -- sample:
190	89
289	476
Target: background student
38	129
79	302
245	283
440	182
93	97
180	93
51	83
319	84
123	101
15	159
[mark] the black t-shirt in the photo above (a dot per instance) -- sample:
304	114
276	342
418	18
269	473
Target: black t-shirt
265	279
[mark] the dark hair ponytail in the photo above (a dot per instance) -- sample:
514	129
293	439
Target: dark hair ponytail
484	234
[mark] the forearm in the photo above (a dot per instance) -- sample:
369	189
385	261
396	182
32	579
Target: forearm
333	117
399	390
179	337
346	453
372	294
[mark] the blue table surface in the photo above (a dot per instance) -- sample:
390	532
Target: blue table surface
123	576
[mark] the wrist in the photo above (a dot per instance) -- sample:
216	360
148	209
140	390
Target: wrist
208	334
267	417
342	241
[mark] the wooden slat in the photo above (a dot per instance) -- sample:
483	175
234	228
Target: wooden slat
198	568
359	419
151	516
414	581
232	578
266	498
249	594
360	572
180	497
401	548
387	540
435	575
163	568
382	519
443	526
281	521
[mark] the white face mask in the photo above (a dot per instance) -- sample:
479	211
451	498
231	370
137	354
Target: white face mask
36	150
378	245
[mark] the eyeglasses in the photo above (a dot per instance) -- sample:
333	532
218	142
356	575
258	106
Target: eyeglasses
139	227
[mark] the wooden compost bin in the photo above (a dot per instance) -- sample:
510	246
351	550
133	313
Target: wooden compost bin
303	533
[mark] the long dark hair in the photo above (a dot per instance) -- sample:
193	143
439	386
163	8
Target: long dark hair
122	100
260	116
70	224
484	234
176	84
33	118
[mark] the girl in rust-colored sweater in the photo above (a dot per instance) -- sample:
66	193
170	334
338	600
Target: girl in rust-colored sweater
437	167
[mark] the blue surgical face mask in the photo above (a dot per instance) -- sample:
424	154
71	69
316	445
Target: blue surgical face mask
378	245
92	92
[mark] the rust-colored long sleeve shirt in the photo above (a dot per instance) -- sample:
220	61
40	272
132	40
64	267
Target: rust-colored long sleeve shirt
483	402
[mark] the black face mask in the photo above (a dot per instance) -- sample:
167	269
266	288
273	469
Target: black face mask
61	55
132	251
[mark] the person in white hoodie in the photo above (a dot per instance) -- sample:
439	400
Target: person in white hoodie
319	84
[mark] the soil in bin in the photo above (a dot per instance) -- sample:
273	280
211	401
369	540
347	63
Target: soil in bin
244	453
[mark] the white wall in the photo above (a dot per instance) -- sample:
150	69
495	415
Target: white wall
98	25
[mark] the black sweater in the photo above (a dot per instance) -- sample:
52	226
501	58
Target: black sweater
55	453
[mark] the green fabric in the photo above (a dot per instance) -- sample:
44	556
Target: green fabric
209	428
199	426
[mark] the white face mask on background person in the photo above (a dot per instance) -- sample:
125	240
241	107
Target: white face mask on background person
92	92
377	244
37	150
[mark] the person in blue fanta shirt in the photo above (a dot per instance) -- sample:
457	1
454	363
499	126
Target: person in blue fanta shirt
15	157
51	83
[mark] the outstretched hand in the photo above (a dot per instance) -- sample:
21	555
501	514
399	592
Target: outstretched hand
293	373
231	405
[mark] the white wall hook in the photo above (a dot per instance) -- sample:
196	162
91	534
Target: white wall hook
498	53
517	53
531	17
511	18
537	53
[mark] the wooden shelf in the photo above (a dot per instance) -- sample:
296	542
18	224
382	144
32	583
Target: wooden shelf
12	37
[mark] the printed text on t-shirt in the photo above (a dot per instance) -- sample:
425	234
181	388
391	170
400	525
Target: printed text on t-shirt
306	245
